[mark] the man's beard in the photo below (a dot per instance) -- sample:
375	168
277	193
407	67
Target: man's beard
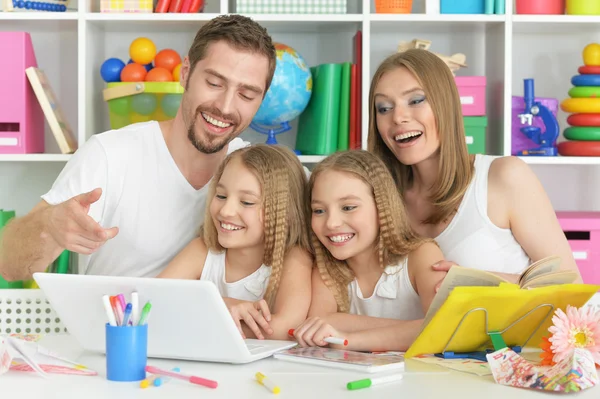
210	147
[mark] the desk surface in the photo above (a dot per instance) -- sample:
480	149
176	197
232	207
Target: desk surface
237	381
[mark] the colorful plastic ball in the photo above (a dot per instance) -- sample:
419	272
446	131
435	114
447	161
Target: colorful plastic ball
170	104
167	59
133	73
142	50
148	66
176	72
119	106
591	54
144	103
111	70
159	74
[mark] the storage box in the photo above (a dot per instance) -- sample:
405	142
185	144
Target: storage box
475	133
520	142
291	6
126	6
462	6
583	233
472	94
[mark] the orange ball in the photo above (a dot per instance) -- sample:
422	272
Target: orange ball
159	74
133	73
167	59
176	73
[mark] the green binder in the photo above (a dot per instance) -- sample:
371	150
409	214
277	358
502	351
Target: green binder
318	125
344	132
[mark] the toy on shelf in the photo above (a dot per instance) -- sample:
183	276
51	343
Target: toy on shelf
454	62
126	6
472	6
46	5
583	134
393	6
546	139
146	88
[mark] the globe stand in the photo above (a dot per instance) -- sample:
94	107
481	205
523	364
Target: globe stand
271	131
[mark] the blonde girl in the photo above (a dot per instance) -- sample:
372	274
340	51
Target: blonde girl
373	283
254	241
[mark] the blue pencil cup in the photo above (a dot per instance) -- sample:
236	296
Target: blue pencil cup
126	352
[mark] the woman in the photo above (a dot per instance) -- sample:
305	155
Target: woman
484	211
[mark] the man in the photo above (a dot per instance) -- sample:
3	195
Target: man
132	198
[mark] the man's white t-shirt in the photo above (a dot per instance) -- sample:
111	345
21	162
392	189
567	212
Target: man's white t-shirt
144	194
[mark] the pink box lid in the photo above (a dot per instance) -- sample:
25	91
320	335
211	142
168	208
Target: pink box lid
470	80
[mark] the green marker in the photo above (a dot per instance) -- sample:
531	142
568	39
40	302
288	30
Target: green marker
367	382
144	315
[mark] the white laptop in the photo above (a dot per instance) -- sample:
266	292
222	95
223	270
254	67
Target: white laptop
188	319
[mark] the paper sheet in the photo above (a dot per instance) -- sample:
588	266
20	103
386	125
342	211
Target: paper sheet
471	366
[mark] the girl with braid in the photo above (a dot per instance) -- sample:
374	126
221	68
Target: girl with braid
254	243
373	282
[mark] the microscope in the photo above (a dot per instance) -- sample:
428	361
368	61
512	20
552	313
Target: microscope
545	139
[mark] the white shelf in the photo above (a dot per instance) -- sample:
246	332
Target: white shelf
151	17
560	160
441	18
35	157
37	16
311	158
556	19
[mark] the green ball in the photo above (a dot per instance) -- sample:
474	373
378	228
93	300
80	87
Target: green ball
119	106
144	103
170	104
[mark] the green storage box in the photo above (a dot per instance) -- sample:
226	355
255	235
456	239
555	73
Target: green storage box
5	216
475	133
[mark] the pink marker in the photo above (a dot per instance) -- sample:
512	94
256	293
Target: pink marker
122	302
190	378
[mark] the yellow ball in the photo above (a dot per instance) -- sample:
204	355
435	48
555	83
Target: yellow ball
142	51
591	54
176	71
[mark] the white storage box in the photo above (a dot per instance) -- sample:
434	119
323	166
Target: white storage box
291	6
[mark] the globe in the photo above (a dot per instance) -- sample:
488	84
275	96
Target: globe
287	96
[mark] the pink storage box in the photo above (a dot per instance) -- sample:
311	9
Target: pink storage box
583	233
472	94
21	116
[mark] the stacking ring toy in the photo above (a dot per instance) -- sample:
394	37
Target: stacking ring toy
585	80
589	69
584	91
579	148
581	105
583	120
578	133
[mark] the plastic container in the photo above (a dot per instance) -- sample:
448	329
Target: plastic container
126	352
540	7
133	102
393	6
475	133
462	6
583	7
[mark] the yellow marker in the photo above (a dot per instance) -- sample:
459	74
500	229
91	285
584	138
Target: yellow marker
264	381
148	381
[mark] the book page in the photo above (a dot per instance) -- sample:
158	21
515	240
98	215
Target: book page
460	277
543	266
562	277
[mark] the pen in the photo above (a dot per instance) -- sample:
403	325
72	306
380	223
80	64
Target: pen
121	299
158	381
117	309
126	315
330	340
148	381
144	315
190	378
367	382
109	311
267	383
135	308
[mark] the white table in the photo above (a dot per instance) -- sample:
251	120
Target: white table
237	381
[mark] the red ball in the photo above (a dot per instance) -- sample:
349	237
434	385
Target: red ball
167	59
133	73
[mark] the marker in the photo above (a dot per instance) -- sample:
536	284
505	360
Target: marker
144	315
121	299
109	311
367	382
116	309
126	315
267	383
190	378
148	381
158	381
135	308
330	340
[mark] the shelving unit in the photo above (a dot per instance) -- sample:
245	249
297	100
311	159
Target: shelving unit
507	48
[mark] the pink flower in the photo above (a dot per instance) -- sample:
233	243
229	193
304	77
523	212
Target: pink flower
578	328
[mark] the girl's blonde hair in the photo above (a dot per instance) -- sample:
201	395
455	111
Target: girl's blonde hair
283	182
396	238
455	168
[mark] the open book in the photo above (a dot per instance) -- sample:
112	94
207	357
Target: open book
539	274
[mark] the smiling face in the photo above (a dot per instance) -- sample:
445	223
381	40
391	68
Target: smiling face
223	93
236	209
344	214
404	117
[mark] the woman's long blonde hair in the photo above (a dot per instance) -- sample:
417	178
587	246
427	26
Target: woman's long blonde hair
396	238
283	184
455	168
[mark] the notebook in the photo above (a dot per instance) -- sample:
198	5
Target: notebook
342	359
